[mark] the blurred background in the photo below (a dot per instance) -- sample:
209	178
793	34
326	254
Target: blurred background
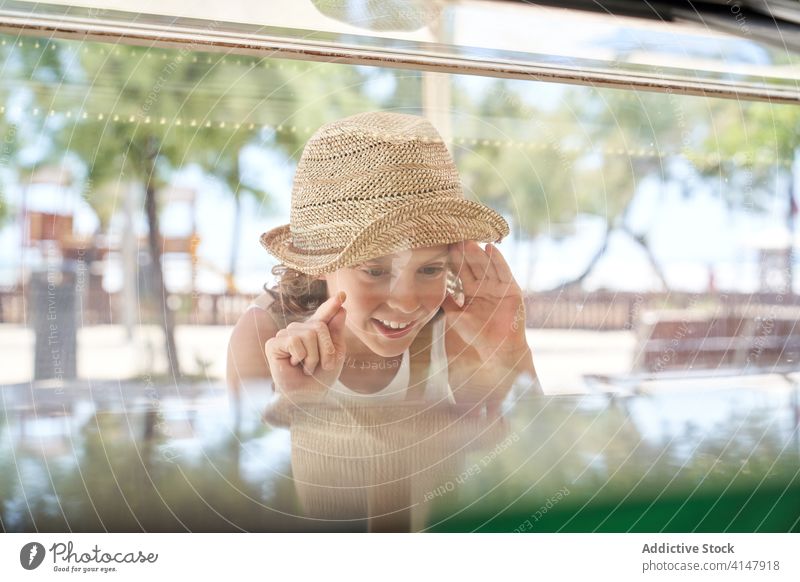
623	204
653	232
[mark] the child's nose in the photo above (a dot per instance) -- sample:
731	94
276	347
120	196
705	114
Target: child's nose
403	294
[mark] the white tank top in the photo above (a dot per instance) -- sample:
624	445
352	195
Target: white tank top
437	387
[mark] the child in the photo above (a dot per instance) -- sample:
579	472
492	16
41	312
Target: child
383	292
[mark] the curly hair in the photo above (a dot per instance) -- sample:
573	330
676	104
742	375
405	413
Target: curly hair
296	293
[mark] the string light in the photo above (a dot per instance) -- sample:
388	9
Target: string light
709	159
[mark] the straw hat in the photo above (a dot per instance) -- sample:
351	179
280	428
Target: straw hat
373	184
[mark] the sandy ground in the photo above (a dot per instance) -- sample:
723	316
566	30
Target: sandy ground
561	357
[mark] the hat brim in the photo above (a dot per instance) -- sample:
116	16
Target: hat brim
416	225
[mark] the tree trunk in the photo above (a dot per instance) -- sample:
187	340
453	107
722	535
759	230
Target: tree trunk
230	282
642	242
576	282
167	319
622	225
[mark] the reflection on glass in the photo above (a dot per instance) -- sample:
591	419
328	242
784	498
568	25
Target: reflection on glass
725	460
494	39
382	464
654	239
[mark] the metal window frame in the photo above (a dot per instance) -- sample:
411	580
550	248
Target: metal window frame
242	39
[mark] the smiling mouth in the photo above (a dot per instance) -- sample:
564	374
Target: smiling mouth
391	331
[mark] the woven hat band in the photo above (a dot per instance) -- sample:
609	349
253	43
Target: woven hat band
323	238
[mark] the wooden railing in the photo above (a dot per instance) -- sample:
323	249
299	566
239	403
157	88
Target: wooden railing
604	310
599	311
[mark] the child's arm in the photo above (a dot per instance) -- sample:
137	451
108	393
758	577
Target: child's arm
246	356
474	379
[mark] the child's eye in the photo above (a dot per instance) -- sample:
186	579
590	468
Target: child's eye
374	272
377	272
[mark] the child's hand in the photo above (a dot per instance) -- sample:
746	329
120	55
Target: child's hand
492	319
306	358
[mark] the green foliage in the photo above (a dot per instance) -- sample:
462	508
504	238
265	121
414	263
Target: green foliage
529	174
8	150
751	146
115	106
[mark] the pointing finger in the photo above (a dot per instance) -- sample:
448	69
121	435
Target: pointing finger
336	328
327	310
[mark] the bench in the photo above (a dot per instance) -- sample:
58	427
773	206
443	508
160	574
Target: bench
760	337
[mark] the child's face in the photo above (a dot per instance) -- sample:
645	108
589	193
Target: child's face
405	287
